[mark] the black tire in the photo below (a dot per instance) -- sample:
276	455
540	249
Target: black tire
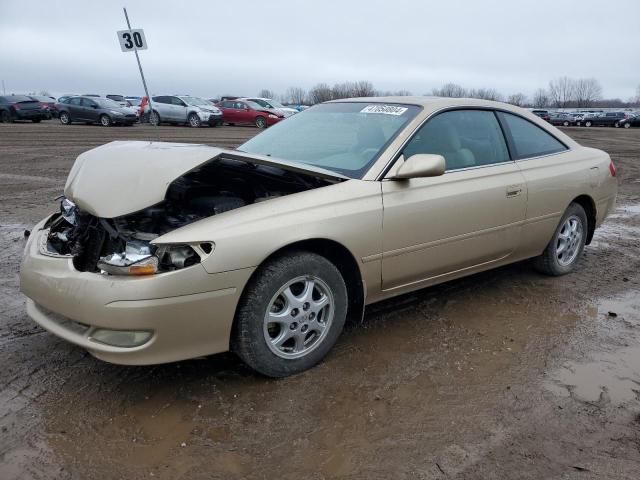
36	120
587	123
261	122
249	339
626	125
549	262
565	124
65	118
4	116
154	118
194	120
105	120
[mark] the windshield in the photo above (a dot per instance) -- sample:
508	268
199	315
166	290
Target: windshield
343	137
105	102
196	101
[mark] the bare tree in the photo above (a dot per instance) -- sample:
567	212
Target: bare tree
485	94
296	95
320	93
517	99
363	88
587	91
44	93
449	90
541	98
343	90
266	93
562	91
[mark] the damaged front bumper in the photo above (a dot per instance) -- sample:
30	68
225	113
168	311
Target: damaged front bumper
178	314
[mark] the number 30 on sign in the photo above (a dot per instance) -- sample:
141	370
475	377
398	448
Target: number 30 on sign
132	39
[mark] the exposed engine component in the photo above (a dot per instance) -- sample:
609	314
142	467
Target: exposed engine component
121	245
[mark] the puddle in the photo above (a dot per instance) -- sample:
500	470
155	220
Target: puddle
612	376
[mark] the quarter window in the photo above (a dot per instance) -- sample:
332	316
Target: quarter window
465	138
528	139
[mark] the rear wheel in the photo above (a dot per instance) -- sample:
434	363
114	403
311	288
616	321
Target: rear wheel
565	124
105	120
194	120
566	245
65	118
290	315
587	123
154	119
627	125
261	122
36	120
4	116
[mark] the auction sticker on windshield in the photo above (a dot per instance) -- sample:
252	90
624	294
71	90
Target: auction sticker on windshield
384	109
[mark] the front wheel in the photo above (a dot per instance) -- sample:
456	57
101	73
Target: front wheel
566	245
105	120
627	125
587	123
194	120
154	118
4	116
261	122
290	314
565	124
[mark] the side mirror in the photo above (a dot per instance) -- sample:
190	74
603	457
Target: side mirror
94	106
420	165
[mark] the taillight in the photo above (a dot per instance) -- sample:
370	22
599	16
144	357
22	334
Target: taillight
612	169
16	106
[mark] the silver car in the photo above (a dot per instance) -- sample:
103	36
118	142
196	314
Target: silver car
184	109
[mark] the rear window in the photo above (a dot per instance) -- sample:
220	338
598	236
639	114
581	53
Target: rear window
528	139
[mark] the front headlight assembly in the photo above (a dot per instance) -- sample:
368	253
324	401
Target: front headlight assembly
141	258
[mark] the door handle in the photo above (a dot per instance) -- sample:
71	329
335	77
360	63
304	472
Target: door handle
514	190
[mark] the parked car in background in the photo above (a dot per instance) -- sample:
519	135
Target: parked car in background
604	119
561	118
181	109
543	114
119	99
94	110
298	107
163	252
631	121
272	105
21	107
47	103
134	101
245	112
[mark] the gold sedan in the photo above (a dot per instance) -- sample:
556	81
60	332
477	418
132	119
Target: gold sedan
162	252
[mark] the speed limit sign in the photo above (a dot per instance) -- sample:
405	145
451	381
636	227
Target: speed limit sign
131	40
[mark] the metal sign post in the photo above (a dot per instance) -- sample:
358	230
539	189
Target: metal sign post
134	39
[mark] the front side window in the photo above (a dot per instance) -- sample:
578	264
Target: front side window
346	137
465	138
88	103
74	101
528	139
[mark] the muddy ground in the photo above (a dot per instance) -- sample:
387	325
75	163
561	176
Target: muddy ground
507	374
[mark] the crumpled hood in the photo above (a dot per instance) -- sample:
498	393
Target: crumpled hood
123	177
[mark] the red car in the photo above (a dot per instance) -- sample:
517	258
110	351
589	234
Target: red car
244	112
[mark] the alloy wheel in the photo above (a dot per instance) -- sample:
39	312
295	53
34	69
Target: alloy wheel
299	317
569	240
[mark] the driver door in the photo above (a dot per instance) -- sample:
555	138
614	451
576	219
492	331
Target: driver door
468	218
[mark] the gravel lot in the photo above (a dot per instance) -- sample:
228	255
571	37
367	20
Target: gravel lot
502	375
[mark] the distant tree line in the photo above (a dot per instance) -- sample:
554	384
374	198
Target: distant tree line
561	92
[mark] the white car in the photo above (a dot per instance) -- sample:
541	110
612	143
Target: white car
273	105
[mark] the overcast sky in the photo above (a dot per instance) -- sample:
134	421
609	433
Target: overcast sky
208	48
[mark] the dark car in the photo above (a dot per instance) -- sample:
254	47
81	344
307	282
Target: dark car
630	121
47	103
245	112
560	118
21	107
543	114
94	110
605	119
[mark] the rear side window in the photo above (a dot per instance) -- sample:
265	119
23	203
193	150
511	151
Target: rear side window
74	101
465	138
529	140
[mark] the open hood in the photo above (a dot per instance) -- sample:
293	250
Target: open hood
123	177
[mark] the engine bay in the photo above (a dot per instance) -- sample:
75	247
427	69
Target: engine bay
212	189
